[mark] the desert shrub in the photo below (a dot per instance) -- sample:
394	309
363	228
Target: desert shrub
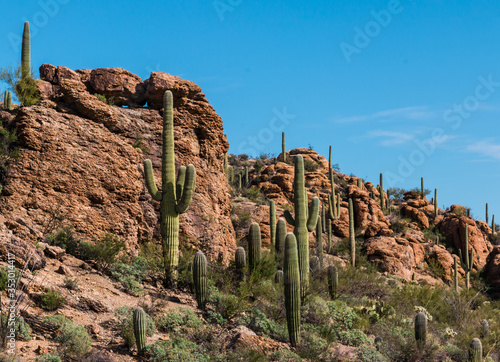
71	283
353	337
103	252
225	305
435	267
258	322
74	339
27	92
103	99
254	194
48	358
244	219
152	255
284	355
22	329
258	166
310	165
177	349
130	276
124	315
181	321
4	276
400	225
52	300
8	151
65	238
139	143
368	353
243	157
311	346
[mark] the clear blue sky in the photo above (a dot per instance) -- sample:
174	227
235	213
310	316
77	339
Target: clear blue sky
407	88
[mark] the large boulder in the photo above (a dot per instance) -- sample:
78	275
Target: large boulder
119	85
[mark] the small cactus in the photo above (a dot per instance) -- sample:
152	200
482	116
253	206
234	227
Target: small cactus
240	260
272	222
493	225
7	100
420	330
333	280
140	322
485	328
360	183
254	246
476	350
200	278
292	288
278	277
352	236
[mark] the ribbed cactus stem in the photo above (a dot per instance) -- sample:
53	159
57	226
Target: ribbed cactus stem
304	222
485	328
422	191
493	225
381	186
360	183
254	246
139	320
26	52
226	164
272	222
487	213
319	242
476	350
329	235
8	101
467	259
420	330
333	280
323	217
239	181
455	270
175	196
352	236
330	160
338	205
279	247
283	148
231	175
334	210
200	278
435	202
240	259
246	176
292	289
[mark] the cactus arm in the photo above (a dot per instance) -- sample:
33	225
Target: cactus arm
150	181
312	219
187	192
179	185
331	206
289	218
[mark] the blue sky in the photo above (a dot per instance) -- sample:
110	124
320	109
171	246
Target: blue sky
407	88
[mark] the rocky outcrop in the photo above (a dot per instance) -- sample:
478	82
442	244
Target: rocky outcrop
83	158
391	255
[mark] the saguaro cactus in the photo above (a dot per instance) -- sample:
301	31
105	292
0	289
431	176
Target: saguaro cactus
435	202
468	259
323	217
493	225
254	246
200	278
334	210
420	330
26	52
279	247
175	197
422	191
486	213
283	149
381	186
272	222
240	259
360	183
140	323
246	176
333	280
485	328
476	350
7	100
292	289
303	222
278	277
329	235
352	236
455	270
319	242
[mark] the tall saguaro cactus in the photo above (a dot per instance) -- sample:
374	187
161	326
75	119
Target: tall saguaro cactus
139	322
468	259
352	236
254	246
283	148
319	242
422	190
493	225
304	222
200	278
486	213
476	350
420	329
272	222
333	281
435	202
455	271
292	288
26	52
279	247
381	186
176	195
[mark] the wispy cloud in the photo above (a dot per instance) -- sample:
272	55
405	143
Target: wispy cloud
486	148
411	113
391	138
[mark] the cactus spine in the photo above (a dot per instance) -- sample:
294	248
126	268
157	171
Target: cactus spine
26	52
272	223
303	222
381	187
140	324
468	260
333	281
352	237
279	247
200	278
486	213
435	202
254	246
422	191
455	270
175	197
319	242
476	350
283	149
420	330
292	289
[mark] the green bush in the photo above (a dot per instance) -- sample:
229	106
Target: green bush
353	337
74	339
258	322
103	99
124	316
131	275
104	251
178	349
71	283
48	358
368	353
52	300
310	165
65	238
254	194
22	329
27	92
181	321
8	151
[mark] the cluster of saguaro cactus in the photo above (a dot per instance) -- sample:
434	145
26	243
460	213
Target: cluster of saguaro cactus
467	260
139	321
333	280
272	222
304	222
420	330
352	236
7	100
200	278
176	195
476	350
254	246
292	288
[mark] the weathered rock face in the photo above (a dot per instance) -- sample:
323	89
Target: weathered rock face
493	270
85	158
392	255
